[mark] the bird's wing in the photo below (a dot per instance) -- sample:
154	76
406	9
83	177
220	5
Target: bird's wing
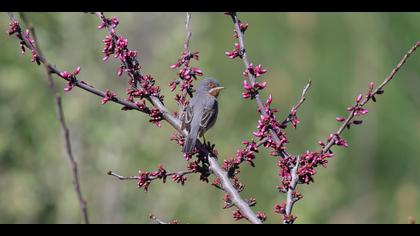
208	115
186	117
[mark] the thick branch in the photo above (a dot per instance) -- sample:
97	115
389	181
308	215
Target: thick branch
61	118
290	200
233	194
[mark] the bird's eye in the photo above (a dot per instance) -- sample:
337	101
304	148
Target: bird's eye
212	85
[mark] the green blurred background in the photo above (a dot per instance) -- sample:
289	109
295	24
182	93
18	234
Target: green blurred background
375	180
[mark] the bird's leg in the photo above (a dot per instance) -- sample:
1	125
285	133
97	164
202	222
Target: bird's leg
204	138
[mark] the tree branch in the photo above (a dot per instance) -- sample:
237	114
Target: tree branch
290	199
233	193
61	118
136	177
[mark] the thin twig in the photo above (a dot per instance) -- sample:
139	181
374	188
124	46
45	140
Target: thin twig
120	177
136	177
296	107
61	118
187	32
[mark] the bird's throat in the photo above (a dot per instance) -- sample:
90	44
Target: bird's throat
215	93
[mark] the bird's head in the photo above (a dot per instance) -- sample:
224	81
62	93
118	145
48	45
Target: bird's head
210	86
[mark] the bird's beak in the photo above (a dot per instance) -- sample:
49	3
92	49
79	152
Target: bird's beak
215	91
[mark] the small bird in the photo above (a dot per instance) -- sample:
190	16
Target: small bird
201	113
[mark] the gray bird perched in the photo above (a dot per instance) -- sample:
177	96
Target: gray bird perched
201	114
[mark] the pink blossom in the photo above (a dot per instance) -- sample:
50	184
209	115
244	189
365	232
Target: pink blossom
14	27
237	215
234	53
143	180
155	116
77	70
359	98
109	95
340	119
262	216
179	179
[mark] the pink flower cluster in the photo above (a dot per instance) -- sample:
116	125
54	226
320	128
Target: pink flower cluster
26	40
185	58
140	87
147	88
255	71
292	118
186	76
237	215
248	153
112	22
268	123
237	52
71	78
13	28
145	178
281	209
178	138
179	179
242	27
109	95
251	90
308	162
155	116
232	166
358	109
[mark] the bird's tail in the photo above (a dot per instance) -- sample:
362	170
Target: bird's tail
191	140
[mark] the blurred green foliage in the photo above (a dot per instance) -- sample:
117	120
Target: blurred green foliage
375	180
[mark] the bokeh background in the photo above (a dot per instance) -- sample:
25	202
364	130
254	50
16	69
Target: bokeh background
375	180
